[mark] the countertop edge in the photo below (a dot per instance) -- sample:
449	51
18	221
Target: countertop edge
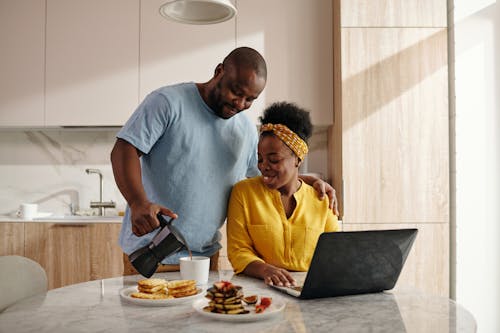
85	220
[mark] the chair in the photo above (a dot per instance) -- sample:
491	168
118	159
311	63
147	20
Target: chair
20	278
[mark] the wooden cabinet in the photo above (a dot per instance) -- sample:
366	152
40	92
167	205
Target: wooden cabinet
389	144
92	72
295	38
12	239
22	62
69	253
395	125
394	13
62	250
105	253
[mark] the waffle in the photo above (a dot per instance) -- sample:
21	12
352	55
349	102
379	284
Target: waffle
151	289
182	288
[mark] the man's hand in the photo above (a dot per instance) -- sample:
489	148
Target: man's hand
143	217
323	188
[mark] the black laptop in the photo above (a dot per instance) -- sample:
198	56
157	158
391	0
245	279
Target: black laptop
355	262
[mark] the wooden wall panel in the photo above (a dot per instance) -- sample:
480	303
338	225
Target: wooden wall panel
12	239
395	125
426	268
394	13
389	142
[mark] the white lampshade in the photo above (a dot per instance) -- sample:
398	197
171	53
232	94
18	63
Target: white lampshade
198	11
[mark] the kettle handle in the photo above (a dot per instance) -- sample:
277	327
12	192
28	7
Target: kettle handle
163	222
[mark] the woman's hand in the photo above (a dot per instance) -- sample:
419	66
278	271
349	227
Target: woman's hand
277	276
271	275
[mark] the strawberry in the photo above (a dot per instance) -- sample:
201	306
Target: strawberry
265	301
259	308
223	285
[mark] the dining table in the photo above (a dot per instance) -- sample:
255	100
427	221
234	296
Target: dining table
106	306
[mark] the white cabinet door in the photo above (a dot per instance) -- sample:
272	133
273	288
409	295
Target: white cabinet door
92	62
172	52
22	35
295	37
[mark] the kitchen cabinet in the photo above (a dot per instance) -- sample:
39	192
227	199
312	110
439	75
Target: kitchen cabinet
61	249
295	38
12	239
90	63
173	52
395	125
92	72
298	56
106	256
22	62
389	144
394	13
69	252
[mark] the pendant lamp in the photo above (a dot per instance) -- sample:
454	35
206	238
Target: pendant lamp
198	11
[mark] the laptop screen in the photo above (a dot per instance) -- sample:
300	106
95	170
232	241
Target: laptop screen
347	263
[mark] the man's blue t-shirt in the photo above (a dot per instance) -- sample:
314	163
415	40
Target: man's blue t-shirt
191	159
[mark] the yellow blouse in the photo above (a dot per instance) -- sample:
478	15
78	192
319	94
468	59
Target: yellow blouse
258	229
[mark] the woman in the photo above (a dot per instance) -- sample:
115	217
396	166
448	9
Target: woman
274	220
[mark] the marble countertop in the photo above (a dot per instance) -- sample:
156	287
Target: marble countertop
96	306
65	219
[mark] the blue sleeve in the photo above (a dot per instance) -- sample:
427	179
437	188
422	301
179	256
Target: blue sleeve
252	169
148	123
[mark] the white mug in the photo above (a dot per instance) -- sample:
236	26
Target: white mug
28	211
196	268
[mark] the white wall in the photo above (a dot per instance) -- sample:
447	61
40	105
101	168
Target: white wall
477	159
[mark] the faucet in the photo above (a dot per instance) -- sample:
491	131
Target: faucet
100	204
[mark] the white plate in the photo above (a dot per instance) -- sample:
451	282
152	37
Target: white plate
277	306
43	214
125	294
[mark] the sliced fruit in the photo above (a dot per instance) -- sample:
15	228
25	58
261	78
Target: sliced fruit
223	285
265	301
250	299
260	308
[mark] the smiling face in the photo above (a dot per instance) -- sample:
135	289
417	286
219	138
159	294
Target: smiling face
235	90
277	163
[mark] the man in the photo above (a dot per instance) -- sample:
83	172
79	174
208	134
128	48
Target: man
184	147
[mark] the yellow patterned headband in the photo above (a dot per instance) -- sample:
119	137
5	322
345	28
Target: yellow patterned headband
292	140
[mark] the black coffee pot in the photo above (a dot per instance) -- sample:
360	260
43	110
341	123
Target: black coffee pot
165	243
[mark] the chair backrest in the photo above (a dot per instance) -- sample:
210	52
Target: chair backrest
20	278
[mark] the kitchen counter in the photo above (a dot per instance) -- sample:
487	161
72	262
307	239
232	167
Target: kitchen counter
72	219
96	306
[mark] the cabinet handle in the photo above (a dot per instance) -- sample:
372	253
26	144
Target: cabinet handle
71	224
